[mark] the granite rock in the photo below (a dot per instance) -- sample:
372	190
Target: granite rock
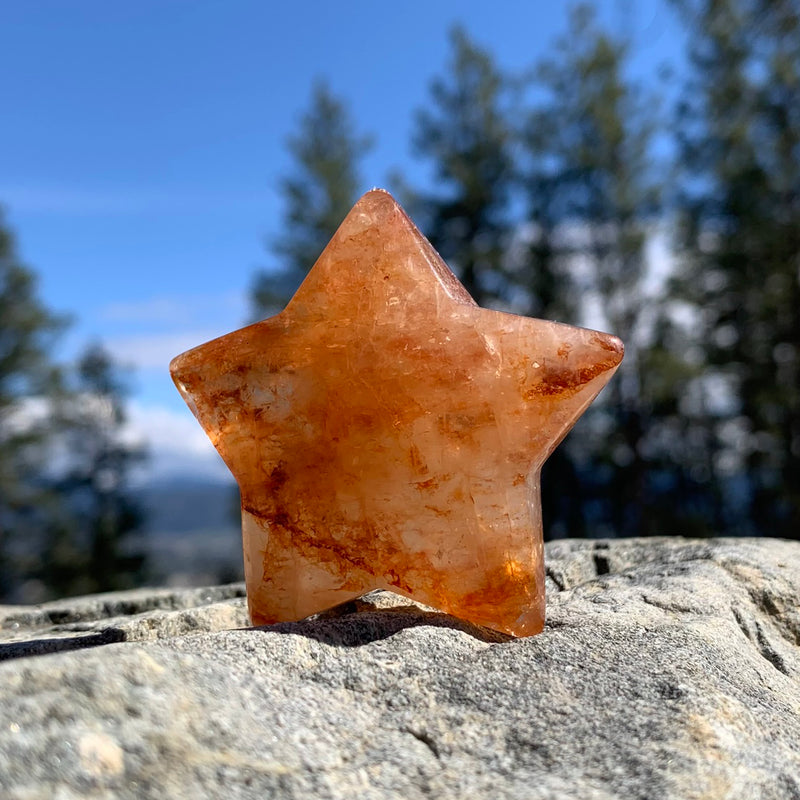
669	668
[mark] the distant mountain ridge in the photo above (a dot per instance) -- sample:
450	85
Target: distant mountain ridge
191	530
185	504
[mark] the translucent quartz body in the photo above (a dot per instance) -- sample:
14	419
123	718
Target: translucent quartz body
386	432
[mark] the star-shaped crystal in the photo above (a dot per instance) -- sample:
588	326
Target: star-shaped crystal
387	433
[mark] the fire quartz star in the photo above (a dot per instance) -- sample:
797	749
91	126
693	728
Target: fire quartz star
386	432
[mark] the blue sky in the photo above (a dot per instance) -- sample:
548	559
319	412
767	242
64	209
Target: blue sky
142	142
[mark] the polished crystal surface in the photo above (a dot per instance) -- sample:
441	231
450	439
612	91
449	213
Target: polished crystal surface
386	432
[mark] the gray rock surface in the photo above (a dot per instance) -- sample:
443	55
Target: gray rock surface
669	668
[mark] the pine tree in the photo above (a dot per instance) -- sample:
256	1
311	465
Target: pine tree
28	379
322	186
592	199
739	123
88	545
466	134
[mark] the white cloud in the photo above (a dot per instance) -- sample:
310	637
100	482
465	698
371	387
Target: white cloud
155	351
24	416
660	260
177	310
158	329
151	332
154	309
176	444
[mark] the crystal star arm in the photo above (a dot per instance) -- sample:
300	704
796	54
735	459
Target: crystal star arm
386	432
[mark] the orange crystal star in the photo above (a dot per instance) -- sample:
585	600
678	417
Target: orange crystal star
386	432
